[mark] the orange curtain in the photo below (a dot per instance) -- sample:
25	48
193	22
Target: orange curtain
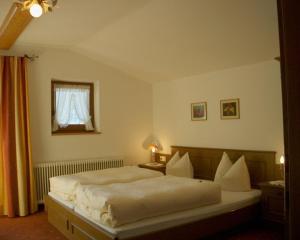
17	186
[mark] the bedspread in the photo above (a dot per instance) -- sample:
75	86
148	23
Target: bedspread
122	203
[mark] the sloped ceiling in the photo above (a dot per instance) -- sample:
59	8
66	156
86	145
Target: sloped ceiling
160	40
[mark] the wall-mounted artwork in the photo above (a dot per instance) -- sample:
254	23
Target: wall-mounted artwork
199	111
230	109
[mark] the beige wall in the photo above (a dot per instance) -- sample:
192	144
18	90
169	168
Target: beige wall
124	110
257	86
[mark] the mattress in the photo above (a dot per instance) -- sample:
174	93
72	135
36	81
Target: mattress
58	198
231	201
122	203
65	186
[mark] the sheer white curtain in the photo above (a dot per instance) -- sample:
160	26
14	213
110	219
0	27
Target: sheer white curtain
72	106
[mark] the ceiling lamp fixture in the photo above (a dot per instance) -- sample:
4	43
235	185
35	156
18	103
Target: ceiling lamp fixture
36	10
38	7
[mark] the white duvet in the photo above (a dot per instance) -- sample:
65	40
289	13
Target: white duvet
118	204
65	185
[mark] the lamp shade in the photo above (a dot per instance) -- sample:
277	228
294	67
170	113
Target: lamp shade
282	160
154	146
151	142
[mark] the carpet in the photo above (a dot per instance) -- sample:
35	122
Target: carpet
33	227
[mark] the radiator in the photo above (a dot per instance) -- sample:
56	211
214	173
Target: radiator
44	171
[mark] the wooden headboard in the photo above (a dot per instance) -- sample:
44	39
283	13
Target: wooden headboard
261	164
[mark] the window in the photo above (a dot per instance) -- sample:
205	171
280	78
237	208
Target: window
72	107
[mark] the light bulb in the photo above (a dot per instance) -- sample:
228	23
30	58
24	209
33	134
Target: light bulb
153	149
36	10
282	159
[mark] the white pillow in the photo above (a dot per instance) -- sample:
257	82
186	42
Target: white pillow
224	165
173	160
237	178
181	168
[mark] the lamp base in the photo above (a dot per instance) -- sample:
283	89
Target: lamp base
152	156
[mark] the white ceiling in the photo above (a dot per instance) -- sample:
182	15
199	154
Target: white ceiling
157	40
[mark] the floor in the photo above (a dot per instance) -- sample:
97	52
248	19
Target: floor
36	227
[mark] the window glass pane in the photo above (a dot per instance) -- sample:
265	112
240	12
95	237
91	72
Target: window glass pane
74	118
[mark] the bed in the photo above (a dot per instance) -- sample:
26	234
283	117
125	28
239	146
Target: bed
235	208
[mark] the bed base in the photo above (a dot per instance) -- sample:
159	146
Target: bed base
76	227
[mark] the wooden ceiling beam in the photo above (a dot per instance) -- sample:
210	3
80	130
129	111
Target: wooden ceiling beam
13	25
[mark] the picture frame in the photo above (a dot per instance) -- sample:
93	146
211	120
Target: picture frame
230	108
199	111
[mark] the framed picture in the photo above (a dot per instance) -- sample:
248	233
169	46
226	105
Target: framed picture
230	109
198	111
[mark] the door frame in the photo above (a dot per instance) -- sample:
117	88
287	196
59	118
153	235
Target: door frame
289	35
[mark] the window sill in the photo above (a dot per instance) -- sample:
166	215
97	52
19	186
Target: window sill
74	133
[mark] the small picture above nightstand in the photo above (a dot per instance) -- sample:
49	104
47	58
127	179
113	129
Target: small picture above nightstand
154	166
273	201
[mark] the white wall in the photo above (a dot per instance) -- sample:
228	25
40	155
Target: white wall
125	110
259	128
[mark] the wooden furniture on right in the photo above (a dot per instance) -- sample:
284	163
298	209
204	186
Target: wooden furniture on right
157	167
272	202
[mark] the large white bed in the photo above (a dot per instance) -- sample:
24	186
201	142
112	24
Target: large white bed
234	208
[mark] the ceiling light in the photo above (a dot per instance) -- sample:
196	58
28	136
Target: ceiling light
38	7
36	10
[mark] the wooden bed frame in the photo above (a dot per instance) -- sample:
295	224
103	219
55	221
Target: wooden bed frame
261	166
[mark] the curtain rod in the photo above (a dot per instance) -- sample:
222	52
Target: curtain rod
31	58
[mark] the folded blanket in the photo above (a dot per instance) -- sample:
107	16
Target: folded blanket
65	185
118	204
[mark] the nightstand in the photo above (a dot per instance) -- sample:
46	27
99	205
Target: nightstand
273	201
154	166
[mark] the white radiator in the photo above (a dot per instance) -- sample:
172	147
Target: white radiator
44	171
